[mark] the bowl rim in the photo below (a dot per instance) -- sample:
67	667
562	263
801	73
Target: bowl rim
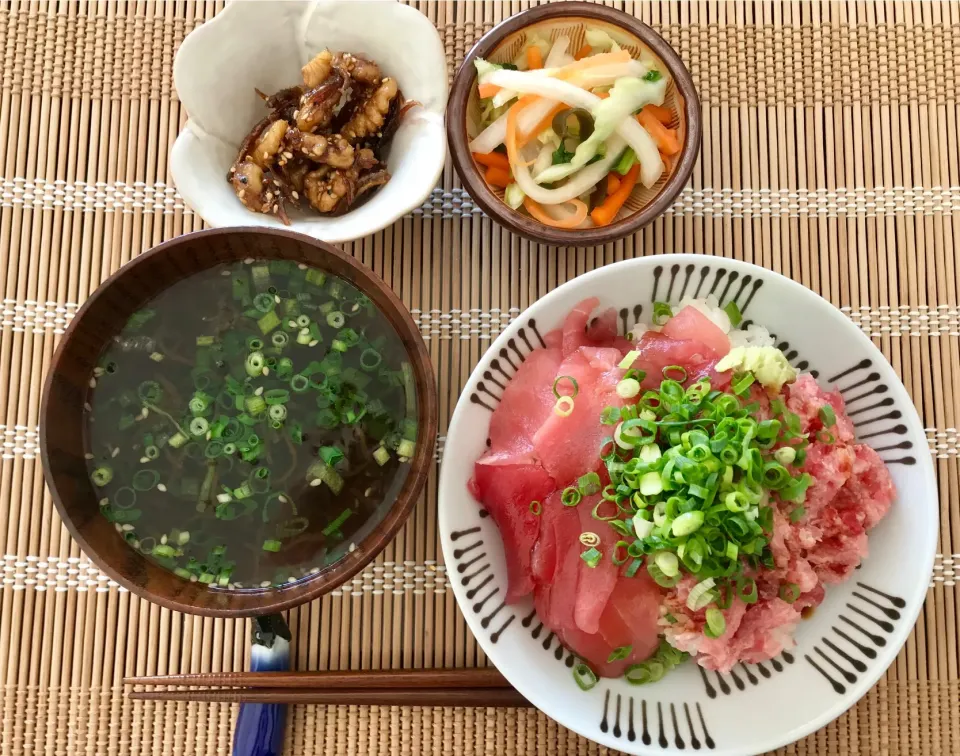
450	504
527	227
193	136
274	599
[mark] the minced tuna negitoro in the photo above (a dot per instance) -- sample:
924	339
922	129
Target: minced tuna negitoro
677	491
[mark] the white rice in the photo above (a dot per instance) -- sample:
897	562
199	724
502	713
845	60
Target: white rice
753	335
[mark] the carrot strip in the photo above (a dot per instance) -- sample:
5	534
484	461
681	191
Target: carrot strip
613	182
583	52
492	160
487	90
659	112
513	150
667	163
538	213
602	95
525	139
665	138
604	59
497	176
604	213
534	58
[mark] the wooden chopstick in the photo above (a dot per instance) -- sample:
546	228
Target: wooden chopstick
465	677
474	697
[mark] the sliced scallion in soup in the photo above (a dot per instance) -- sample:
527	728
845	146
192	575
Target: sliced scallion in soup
251	424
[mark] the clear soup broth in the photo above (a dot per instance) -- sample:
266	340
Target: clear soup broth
251	424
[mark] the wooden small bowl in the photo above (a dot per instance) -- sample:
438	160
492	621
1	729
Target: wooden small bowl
503	43
103	315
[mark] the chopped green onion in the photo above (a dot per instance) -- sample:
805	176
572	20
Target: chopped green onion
785	455
585	677
268	322
564	406
573	382
827	416
629	359
687	523
272	545
733	312
610	415
628	388
619	653
668	563
536	508
789	592
101	476
336	524
381	456
716	623
254	364
747	590
661	313
589	484
570	497
701	595
591	556
797	514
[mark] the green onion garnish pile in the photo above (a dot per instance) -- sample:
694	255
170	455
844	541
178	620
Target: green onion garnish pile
252	407
693	475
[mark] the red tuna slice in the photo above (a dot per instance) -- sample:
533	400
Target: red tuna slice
543	564
527	401
631	615
629	619
601	333
506	489
575	326
569	446
691	324
596	583
658	351
557	603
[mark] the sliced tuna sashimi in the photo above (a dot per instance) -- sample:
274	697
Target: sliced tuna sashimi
658	351
556	605
575	326
629	619
506	489
691	324
631	616
596	583
569	446
527	401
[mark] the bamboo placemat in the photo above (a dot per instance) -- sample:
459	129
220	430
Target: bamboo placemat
830	153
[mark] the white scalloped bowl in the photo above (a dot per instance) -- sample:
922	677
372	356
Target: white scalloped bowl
263	45
841	650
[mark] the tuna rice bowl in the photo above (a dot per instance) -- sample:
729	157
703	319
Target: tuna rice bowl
675	492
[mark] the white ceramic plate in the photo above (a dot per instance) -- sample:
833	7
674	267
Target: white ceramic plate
264	45
851	638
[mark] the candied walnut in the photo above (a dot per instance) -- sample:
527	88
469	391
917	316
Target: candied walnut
317	107
359	68
369	117
326	189
335	190
317	70
264	152
330	150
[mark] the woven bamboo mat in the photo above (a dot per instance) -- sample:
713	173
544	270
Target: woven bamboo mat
830	154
